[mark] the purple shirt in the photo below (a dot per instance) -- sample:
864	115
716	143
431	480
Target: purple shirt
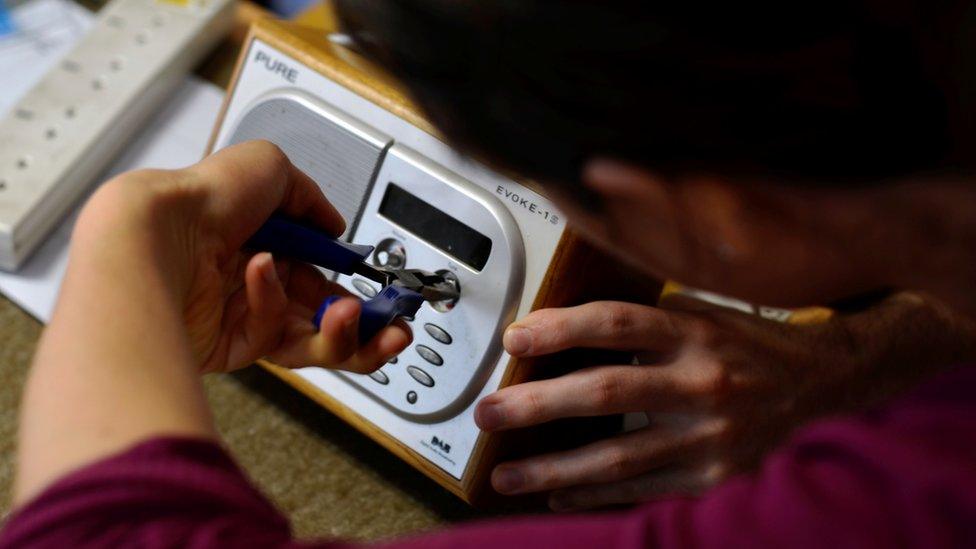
904	476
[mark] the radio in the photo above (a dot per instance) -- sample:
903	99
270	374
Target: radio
422	205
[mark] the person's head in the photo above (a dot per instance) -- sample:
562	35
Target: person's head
787	153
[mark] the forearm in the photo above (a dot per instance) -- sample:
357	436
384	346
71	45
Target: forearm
113	366
902	340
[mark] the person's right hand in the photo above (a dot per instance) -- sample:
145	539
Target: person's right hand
237	305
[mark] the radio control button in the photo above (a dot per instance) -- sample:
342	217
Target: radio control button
379	377
438	333
429	355
412	397
420	376
364	287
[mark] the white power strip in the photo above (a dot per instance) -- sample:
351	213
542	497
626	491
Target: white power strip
67	129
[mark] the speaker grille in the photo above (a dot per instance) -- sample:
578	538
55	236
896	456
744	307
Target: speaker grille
338	159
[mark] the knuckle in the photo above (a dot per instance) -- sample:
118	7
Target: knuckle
550	321
274	152
607	390
543	476
532	406
713	384
722	433
617	317
716	472
271	157
618	462
703	331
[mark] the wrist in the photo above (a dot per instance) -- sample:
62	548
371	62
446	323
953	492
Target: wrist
137	222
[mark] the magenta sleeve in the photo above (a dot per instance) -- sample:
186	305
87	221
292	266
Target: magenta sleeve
904	476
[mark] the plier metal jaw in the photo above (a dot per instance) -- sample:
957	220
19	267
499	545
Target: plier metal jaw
432	286
403	290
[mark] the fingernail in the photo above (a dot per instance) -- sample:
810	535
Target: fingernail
517	341
508	479
270	273
489	417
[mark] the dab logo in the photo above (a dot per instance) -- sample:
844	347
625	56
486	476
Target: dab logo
441	444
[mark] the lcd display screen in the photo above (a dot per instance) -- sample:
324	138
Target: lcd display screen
436	227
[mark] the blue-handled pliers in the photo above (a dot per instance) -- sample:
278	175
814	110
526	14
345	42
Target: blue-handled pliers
404	290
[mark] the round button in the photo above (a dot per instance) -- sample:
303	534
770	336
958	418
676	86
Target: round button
391	253
412	397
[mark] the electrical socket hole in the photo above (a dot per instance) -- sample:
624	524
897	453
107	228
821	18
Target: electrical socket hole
51	133
142	38
70	112
3	184
23	162
115	64
98	83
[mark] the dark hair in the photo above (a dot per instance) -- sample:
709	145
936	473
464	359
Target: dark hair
822	90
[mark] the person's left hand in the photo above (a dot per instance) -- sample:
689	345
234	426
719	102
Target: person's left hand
719	388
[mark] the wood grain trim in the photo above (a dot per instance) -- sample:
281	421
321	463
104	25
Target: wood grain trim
367	428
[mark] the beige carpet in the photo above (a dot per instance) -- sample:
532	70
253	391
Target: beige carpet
330	480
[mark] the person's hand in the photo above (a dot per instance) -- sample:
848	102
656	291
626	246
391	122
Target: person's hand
719	388
239	306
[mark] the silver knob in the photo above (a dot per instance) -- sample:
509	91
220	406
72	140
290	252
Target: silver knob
390	253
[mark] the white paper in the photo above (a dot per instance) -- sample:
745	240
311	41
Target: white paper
176	137
44	31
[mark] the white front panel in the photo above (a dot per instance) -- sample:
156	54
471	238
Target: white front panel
454	350
524	229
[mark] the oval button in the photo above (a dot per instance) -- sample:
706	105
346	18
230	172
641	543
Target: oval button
364	287
420	376
412	397
438	333
379	377
429	355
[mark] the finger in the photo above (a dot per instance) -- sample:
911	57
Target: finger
601	324
336	345
600	390
260	328
651	485
385	345
610	460
309	287
250	181
338	334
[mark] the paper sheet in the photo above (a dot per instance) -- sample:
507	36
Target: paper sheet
176	137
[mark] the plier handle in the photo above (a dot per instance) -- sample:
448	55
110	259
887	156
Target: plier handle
403	290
